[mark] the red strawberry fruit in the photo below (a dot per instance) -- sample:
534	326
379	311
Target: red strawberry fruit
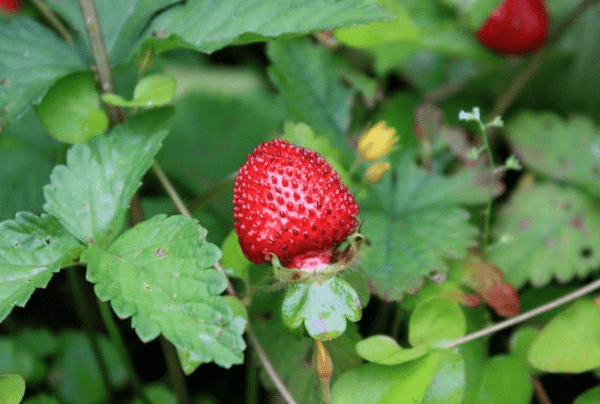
10	6
288	201
516	27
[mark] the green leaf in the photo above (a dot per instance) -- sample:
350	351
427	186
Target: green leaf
91	194
39	341
322	307
208	25
42	399
71	110
234	261
384	350
415	225
157	394
33	58
17	359
160	274
590	396
436	321
500	372
152	91
12	389
570	343
520	342
566	150
407	383
546	231
448	383
122	23
31	249
310	87
81	380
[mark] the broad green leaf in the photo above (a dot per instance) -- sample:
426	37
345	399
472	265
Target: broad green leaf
234	261
39	341
436	321
415	224
566	150
81	380
407	383
474	353
207	25
152	91
91	194
570	343
546	231
384	350
17	359
291	353
157	394
322	307
505	380
31	249
590	396
122	23
310	87
71	110
160	274
12	389
33	58
448	383
520	342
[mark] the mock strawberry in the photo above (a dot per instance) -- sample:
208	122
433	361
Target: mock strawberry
10	6
516	27
288	201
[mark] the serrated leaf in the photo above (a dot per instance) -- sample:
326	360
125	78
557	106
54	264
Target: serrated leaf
436	321
384	350
570	343
416	225
310	87
322	307
566	150
152	91
160	274
546	231
91	194
31	249
33	58
12	389
122	23
71	110
211	25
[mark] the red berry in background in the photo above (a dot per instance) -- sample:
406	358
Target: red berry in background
10	6
290	202
516	27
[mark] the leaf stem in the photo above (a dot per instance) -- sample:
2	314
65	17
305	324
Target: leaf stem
84	317
488	209
252	338
117	340
527	315
94	30
53	20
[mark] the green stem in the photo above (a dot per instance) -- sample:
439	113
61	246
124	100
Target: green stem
175	373
53	20
117	340
488	210
251	382
83	313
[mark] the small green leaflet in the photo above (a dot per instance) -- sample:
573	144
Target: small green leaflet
415	224
151	91
91	194
160	274
32	248
547	231
33	58
566	150
12	389
209	25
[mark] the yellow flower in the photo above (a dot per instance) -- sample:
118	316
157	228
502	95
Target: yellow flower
377	142
376	171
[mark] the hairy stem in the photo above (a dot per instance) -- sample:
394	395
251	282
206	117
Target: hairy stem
488	210
53	20
527	315
175	372
252	338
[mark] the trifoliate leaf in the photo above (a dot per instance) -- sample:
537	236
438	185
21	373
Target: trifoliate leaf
31	249
322	307
33	58
71	110
91	194
310	87
566	150
570	343
152	91
12	389
160	274
416	223
546	231
211	25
